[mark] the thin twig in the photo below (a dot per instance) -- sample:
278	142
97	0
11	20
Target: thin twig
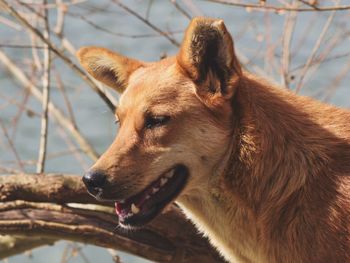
192	7
64	257
286	43
18	115
9	23
61	88
20	105
118	34
336	82
138	16
72	149
321	58
55	6
265	7
20	46
46	96
181	10
34	42
314	50
51	156
303	37
314	6
61	11
149	7
13	148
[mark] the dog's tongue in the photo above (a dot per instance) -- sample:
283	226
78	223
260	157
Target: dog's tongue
122	209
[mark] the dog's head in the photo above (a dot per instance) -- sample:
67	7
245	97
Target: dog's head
175	120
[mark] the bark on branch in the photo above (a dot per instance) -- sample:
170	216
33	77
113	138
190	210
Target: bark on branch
38	206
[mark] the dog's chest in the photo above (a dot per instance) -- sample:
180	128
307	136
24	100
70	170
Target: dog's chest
232	231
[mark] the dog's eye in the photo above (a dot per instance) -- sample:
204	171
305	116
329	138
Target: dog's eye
156	121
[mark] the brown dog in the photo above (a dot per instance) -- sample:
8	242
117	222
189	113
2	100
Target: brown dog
264	173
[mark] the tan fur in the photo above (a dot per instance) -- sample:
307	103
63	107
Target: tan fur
269	170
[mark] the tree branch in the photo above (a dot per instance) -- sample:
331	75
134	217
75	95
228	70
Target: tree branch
46	96
25	208
55	50
58	114
56	188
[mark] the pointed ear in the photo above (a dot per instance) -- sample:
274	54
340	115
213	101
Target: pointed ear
207	56
108	67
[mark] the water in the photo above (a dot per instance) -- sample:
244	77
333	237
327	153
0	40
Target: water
257	35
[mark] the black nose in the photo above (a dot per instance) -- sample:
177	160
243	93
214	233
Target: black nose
94	181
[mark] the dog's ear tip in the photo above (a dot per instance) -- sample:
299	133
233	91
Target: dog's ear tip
204	19
83	52
220	25
208	21
86	51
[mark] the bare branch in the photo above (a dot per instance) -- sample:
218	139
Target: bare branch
7	22
265	7
54	49
335	83
314	50
155	28
59	116
181	10
20	46
55	6
286	43
61	88
46	96
58	188
61	11
13	148
118	34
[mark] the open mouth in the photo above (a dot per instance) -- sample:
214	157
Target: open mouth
146	205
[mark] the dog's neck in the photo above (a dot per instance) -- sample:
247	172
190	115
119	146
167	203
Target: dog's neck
208	206
258	176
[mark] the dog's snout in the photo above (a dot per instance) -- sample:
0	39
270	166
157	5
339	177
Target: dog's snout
94	180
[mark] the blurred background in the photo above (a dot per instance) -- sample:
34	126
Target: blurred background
302	45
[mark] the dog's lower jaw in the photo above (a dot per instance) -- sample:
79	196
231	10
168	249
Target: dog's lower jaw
228	227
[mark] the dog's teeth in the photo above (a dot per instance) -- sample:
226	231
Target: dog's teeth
134	209
155	190
163	181
170	174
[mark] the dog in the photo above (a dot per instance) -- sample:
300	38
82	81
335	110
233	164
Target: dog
262	172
